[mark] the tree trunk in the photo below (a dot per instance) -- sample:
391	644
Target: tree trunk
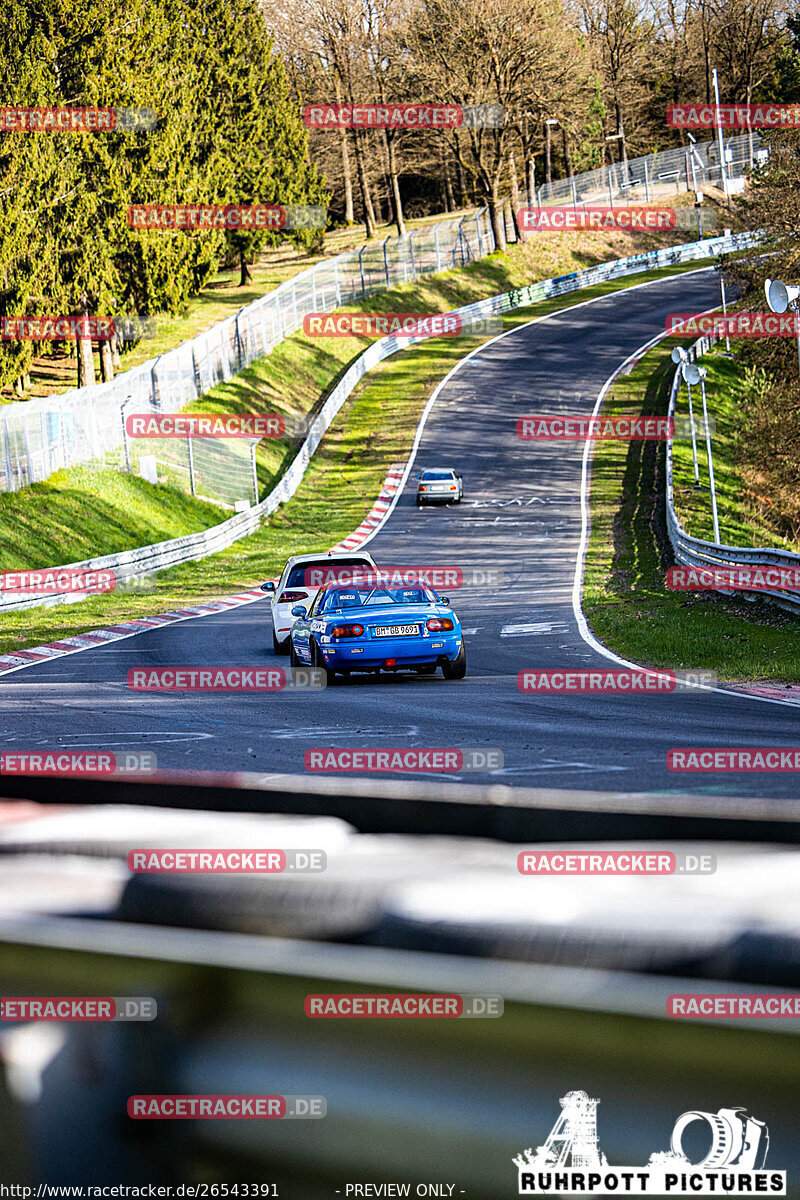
567	161
497	217
366	198
548	172
116	344
19	387
344	149
244	270
515	198
394	183
347	176
106	361
449	198
530	172
462	191
86	375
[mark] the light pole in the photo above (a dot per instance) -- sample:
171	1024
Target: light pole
781	296
694	374
680	356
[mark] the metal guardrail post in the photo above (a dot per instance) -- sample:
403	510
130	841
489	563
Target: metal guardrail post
646	183
313	289
437	247
411	250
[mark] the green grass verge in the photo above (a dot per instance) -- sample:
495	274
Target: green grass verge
375	428
626	600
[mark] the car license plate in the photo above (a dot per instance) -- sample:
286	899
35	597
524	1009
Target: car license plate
396	630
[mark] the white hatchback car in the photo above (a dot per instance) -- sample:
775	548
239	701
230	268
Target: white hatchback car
299	583
439	483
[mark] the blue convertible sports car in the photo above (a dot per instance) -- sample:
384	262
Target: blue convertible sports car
370	627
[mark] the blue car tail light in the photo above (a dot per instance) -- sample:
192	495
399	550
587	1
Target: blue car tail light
347	631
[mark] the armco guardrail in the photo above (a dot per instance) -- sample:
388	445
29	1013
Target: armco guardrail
695	552
131	564
38	437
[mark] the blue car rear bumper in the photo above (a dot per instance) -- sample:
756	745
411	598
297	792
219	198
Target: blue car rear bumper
369	654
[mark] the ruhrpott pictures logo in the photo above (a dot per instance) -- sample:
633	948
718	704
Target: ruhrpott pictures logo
570	1162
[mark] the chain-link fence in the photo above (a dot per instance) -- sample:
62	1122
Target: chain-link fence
684	169
221	470
38	437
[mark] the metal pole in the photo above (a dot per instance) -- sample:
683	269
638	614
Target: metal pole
722	166
191	464
710	463
7	444
436	244
361	269
646	183
411	251
693	428
385	261
724	307
255	472
125	441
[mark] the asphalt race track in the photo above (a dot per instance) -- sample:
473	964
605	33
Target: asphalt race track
521	516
